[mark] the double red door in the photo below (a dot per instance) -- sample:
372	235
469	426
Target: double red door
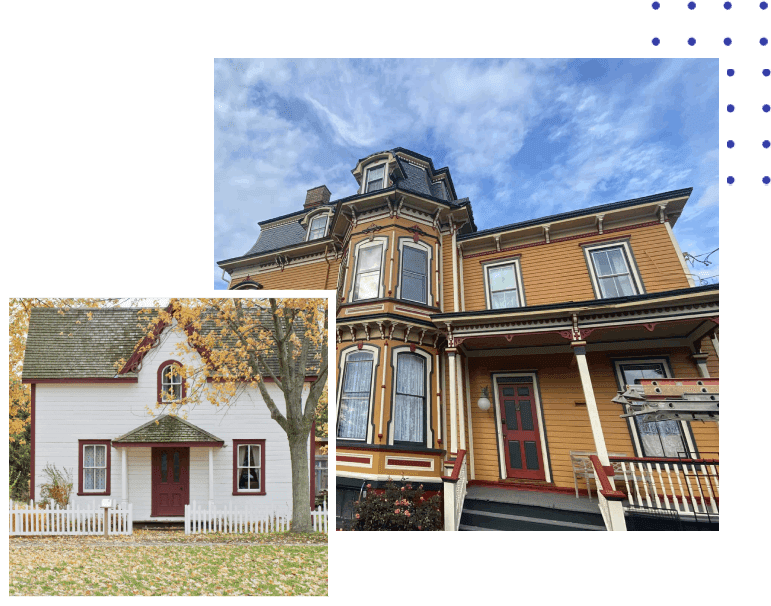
171	481
521	438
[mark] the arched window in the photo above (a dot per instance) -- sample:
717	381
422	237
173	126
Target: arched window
410	402
415	259
318	228
171	385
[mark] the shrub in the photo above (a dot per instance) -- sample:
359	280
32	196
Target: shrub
397	508
58	487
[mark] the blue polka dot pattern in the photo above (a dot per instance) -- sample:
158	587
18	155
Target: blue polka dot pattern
730	144
692	5
766	108
730	180
727	6
763	41
730	108
766	143
727	41
766	180
767	72
655	6
691	41
656	41
763	6
730	72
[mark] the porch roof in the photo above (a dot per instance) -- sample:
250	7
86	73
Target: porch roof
682	315
167	430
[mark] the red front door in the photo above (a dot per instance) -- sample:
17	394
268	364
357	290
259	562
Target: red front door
521	439
171	481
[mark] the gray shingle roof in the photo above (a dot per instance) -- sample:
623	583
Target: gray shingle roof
278	237
67	345
168	428
417	180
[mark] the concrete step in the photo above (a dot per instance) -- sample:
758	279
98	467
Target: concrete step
489	515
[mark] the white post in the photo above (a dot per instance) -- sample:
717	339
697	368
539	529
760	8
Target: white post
461	421
456	306
453	402
615	509
124	476
211	478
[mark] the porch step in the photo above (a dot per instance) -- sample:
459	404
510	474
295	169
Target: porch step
481	514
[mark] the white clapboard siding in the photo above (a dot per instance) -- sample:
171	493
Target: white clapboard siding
68	412
245	519
77	519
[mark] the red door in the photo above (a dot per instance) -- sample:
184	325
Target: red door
521	439
171	481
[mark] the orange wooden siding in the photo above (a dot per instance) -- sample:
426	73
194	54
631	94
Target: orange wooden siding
566	422
557	272
318	275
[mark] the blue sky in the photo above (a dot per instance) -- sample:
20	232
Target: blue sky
522	138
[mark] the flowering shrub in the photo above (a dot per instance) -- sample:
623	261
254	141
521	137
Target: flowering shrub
397	508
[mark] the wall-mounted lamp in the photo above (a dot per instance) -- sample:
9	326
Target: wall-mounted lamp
484	401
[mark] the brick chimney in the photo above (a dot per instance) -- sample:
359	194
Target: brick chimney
317	195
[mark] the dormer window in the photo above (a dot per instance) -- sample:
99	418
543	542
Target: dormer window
318	227
375	178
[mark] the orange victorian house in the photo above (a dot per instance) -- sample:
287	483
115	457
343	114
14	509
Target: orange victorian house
556	373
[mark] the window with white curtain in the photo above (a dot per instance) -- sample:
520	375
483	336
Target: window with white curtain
368	264
612	271
414	282
94	468
657	438
410	400
355	394
503	284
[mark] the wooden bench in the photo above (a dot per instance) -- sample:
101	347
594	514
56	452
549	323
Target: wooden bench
583	468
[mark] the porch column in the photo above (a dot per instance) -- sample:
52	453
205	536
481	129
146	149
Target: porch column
461	421
453	402
211	478
124	476
615	511
715	343
701	364
579	349
454	268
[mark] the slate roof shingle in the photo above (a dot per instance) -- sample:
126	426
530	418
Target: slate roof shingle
278	237
167	428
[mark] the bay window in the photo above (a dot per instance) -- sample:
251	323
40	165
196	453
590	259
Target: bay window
355	394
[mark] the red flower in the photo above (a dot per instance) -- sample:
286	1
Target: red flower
357	516
407	513
396	511
369	485
402	488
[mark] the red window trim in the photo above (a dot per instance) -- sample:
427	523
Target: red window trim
160	380
247	493
81	444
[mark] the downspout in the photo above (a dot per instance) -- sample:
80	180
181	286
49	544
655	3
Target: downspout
224	280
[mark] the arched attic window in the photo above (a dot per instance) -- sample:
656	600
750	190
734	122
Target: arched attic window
318	225
171	384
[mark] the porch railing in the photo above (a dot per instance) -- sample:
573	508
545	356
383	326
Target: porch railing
691	487
455	492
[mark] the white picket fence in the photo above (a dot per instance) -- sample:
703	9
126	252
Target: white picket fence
200	519
77	519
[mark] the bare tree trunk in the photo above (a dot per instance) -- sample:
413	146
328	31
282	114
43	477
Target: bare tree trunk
301	509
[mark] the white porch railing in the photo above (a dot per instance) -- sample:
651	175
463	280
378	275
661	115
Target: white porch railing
455	492
687	486
202	519
77	519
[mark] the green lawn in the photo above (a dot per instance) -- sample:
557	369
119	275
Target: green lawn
165	563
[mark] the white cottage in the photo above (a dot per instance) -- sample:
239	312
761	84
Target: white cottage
92	419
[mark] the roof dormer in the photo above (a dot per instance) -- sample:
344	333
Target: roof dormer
316	222
376	172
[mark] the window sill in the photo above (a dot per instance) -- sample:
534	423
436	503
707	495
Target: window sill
93	494
387	447
249	494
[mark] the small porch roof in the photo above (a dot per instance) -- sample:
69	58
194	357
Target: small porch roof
168	430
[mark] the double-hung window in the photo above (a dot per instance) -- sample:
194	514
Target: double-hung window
410	401
318	227
657	438
504	285
612	272
375	178
94	467
368	263
414	282
248	467
170	383
355	396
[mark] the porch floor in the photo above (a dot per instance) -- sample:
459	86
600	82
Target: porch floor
534	498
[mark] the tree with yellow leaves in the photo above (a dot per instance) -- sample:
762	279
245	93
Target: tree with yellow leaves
247	342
